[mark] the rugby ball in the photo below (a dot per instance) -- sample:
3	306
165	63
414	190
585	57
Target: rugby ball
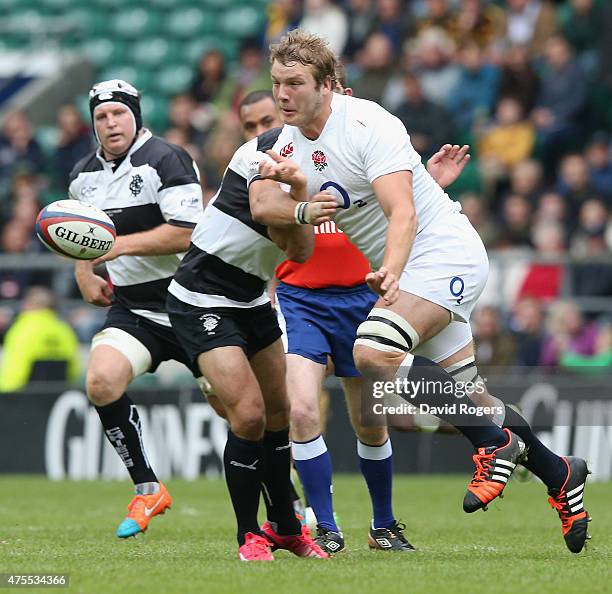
75	230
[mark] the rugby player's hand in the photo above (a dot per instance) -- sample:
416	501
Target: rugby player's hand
321	208
95	290
282	170
446	165
384	283
114	252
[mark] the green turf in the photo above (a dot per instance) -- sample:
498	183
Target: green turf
515	547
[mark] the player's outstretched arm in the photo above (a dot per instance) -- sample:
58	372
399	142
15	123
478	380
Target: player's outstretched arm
160	241
392	190
446	165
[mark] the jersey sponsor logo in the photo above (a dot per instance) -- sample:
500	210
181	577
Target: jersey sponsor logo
326	228
210	322
287	150
320	160
457	287
87	192
191	202
136	185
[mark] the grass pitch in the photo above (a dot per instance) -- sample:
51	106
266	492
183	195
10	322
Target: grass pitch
515	547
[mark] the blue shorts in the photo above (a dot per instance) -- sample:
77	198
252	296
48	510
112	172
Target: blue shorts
322	322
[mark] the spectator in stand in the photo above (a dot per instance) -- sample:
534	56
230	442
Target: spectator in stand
209	78
428	124
544	276
283	16
567	332
515	228
361	14
591	273
391	19
590	236
183	114
25	210
530	22
580	23
600	168
473	208
251	73
480	22
528	326
552	208
526	178
475	93
15	238
438	15
19	149
562	98
432	57
375	67
494	346
74	142
600	361
39	346
518	79
220	147
179	137
508	141
327	20
574	182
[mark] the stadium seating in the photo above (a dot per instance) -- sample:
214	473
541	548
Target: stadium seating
155	44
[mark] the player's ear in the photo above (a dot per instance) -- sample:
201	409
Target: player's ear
348	91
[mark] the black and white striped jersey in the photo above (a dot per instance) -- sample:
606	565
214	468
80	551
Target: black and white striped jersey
157	182
231	256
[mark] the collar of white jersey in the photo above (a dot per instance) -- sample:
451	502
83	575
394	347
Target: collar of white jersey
146	135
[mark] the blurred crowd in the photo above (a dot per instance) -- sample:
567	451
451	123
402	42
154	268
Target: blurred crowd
527	83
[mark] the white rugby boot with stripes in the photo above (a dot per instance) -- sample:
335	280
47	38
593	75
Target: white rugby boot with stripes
494	466
568	501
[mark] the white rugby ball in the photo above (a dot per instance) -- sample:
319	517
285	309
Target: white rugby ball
75	230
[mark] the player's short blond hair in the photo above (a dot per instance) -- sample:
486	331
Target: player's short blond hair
307	49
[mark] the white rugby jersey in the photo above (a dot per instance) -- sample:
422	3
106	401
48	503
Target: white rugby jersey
231	256
360	142
157	182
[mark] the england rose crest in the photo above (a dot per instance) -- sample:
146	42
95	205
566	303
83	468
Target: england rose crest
320	160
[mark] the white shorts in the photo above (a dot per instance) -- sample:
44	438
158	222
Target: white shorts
448	265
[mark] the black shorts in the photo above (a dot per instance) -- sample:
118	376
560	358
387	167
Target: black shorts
159	340
202	329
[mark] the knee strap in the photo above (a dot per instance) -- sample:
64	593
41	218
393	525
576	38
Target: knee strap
387	331
130	347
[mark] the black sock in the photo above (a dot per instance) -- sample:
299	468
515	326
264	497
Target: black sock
122	428
546	465
277	482
243	460
480	430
